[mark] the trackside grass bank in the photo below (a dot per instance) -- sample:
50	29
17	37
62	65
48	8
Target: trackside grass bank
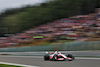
5	65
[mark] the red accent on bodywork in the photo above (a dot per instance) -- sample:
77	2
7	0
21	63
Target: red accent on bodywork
53	53
60	59
51	57
69	58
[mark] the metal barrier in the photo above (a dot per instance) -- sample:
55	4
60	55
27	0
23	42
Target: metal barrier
71	46
89	53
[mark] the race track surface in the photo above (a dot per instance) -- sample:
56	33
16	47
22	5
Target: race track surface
38	61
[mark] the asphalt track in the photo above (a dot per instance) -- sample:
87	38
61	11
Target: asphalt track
38	61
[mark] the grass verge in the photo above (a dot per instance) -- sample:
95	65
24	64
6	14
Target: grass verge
5	65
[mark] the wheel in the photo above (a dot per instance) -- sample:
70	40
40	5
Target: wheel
46	57
55	58
70	56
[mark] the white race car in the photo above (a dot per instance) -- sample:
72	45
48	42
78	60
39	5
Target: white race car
56	56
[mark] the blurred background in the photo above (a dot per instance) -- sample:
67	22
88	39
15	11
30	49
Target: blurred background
47	25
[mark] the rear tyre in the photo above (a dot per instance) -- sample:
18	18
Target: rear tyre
46	57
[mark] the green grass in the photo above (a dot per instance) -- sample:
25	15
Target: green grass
5	65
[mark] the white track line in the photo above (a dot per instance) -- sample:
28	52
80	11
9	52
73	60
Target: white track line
17	64
42	57
89	58
25	56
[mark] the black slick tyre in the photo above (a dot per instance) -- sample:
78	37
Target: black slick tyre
70	56
46	57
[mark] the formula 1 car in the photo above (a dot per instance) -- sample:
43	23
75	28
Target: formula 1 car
57	56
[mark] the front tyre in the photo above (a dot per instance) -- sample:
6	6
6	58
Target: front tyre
70	56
